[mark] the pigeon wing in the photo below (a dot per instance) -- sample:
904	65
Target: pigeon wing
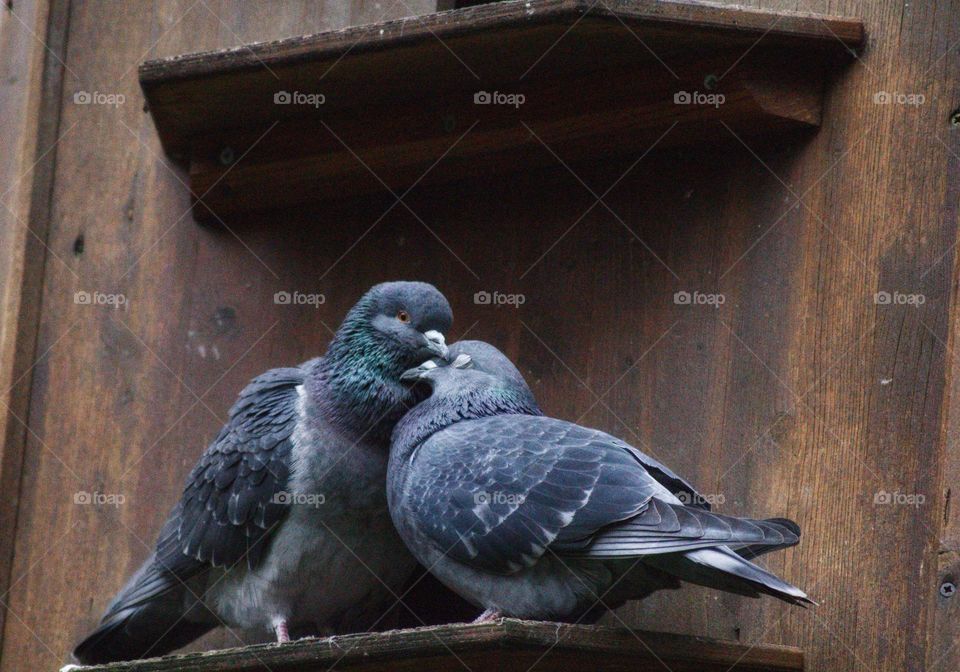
232	501
496	492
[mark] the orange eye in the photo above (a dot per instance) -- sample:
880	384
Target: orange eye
403	316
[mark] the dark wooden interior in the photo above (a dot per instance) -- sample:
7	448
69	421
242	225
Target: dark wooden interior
800	395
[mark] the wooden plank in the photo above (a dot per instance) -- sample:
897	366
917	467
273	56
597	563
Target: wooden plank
507	645
707	396
943	586
116	193
470	48
213	106
316	159
29	98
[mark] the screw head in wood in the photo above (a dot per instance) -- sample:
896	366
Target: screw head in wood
955	118
227	156
948	589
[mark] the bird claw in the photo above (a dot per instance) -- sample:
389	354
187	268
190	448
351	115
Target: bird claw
283	633
487	616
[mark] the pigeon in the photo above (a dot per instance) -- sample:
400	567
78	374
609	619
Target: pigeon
283	524
533	517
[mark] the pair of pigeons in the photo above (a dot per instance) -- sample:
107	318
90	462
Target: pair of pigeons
308	512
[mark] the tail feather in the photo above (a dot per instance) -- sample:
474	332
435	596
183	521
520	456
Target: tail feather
673	528
150	616
138	633
751	551
722	568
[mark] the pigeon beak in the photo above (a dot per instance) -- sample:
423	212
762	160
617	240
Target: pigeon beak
436	343
416	373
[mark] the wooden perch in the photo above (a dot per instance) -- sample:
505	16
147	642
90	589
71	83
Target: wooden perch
507	645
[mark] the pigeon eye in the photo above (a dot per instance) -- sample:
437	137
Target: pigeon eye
403	316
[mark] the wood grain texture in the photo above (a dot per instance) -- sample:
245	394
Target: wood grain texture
800	395
578	114
29	81
506	645
219	104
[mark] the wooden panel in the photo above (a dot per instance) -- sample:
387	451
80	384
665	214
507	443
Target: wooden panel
29	80
115	194
296	161
509	645
798	396
213	107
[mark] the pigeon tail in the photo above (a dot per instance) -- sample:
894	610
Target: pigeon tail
751	551
146	619
664	527
724	569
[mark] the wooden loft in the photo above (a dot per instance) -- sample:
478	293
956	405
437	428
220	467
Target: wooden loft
390	99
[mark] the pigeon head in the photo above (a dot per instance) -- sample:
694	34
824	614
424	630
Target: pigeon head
489	359
474	370
463	389
394	326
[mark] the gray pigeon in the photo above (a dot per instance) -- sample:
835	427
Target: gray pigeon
533	517
283	523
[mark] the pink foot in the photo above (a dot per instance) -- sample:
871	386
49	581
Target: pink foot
283	634
488	616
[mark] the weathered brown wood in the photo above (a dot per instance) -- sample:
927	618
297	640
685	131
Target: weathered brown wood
508	645
799	396
216	102
579	116
29	95
943	585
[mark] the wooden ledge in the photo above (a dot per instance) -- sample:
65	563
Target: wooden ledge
588	79
507	645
